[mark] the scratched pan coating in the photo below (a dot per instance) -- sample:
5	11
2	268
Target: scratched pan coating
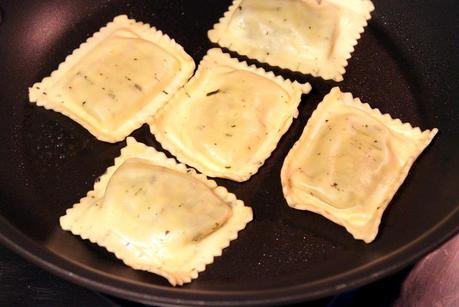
406	64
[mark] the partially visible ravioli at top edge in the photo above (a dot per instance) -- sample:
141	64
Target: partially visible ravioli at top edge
309	36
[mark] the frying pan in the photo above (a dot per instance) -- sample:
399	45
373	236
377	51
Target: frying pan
406	64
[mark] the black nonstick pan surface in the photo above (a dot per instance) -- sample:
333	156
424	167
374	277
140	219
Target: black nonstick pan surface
406	64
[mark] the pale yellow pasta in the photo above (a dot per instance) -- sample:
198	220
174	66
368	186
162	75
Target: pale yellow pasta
116	80
157	215
228	119
310	36
349	162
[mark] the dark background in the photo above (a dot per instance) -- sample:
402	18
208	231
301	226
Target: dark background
24	284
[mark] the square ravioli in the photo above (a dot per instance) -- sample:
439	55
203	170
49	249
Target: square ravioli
116	80
157	215
349	162
228	118
309	36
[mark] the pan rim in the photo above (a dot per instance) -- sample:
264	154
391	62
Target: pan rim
107	283
37	251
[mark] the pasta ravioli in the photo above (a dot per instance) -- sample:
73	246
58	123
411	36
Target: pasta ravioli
228	119
157	215
310	36
349	162
116	80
